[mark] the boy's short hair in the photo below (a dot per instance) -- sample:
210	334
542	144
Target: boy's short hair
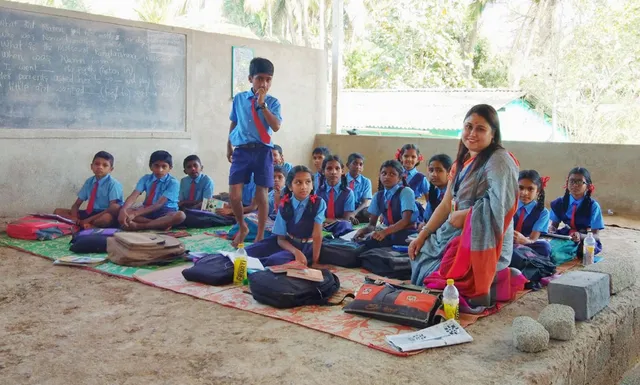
321	150
260	65
190	158
104	155
279	169
161	156
277	148
354	156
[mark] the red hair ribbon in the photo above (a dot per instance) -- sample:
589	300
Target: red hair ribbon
313	198
544	180
284	200
398	153
591	188
420	158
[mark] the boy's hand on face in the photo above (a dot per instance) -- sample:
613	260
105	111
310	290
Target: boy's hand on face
262	93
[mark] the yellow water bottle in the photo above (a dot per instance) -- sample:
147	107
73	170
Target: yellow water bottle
240	265
451	300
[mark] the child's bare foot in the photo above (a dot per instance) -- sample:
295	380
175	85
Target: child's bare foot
131	226
259	237
243	231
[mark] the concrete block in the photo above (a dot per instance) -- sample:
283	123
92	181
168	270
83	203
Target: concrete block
559	320
529	336
622	274
586	292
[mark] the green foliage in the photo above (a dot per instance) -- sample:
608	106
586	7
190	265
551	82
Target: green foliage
489	69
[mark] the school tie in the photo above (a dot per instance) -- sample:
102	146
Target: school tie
262	130
192	191
574	208
520	220
352	185
152	193
92	198
331	205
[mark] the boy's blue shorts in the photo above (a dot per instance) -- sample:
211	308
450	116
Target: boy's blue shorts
254	158
82	214
159	213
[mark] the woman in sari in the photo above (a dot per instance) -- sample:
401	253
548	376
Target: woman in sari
469	237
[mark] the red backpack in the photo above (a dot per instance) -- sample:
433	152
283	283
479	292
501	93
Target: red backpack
42	228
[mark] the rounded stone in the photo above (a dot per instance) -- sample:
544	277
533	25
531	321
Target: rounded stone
559	320
529	335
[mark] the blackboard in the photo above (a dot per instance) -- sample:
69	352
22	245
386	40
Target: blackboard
66	73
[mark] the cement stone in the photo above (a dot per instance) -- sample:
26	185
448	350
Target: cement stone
622	274
586	292
529	335
559	320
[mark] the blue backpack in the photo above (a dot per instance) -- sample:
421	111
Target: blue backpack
339	252
91	240
284	292
212	269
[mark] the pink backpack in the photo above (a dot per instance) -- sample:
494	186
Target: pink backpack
40	227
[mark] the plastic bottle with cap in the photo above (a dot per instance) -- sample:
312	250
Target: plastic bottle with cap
240	266
451	300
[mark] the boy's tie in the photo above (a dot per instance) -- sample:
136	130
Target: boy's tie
152	193
331	205
352	185
192	191
520	220
264	133
92	198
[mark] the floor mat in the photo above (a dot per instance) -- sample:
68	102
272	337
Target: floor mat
328	319
56	248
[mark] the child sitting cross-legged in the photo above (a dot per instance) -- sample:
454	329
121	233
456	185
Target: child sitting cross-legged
297	231
160	208
103	193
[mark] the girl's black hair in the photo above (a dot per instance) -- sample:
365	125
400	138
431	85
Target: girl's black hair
491	116
584	209
446	162
395	165
279	169
534	177
343	179
287	211
354	156
408	147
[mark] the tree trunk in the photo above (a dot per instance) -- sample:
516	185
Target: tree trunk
305	22
519	70
470	47
270	19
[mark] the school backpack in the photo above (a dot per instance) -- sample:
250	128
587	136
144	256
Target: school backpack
339	252
284	292
139	249
211	269
91	240
198	219
252	223
40	227
387	262
532	265
404	307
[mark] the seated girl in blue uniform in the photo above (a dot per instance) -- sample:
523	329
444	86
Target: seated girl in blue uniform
340	200
410	157
577	210
438	171
531	218
297	231
395	203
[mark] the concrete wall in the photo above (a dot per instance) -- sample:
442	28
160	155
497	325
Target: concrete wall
613	167
44	169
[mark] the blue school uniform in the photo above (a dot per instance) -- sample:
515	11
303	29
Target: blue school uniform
109	189
273	209
535	219
428	211
585	214
361	188
399	199
295	222
286	167
203	189
316	180
418	182
167	187
251	155
343	201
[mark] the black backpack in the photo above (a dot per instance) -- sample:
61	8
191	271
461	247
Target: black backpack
284	292
387	262
212	269
339	252
198	219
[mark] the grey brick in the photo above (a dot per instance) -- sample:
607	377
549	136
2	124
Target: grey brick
622	274
586	292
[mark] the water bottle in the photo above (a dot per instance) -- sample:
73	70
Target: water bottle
451	300
588	249
240	265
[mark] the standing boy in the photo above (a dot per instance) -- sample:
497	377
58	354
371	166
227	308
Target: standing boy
103	193
255	116
160	207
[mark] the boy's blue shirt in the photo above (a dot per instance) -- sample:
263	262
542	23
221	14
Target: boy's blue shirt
109	189
168	187
246	131
204	187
